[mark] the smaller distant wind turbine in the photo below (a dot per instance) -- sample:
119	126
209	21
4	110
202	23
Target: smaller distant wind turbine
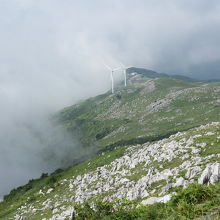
124	68
112	74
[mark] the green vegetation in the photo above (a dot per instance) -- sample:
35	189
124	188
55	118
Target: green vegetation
147	110
194	201
205	197
30	192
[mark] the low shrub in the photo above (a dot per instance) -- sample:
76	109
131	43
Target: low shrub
194	194
189	203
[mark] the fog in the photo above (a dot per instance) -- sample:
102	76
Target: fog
51	56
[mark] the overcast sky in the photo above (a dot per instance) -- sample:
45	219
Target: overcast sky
51	54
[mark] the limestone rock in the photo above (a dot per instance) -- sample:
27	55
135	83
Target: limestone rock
153	200
211	174
191	172
180	182
50	190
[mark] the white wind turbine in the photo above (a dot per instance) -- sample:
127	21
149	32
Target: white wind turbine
124	68
112	74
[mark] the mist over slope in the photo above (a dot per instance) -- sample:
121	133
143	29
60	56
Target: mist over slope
30	148
150	107
147	108
146	112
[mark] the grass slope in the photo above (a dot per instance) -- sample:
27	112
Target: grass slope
202	200
146	110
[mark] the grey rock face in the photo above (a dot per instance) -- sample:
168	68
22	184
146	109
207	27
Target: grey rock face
153	200
211	174
192	172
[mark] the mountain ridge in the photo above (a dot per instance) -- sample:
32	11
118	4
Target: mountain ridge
154	74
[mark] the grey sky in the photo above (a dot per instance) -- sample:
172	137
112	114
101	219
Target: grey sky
51	54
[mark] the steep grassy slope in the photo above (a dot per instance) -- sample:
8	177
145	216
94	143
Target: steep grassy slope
147	109
139	174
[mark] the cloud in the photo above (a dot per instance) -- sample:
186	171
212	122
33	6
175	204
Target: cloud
51	56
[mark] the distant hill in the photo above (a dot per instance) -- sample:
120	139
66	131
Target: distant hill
153	74
152	106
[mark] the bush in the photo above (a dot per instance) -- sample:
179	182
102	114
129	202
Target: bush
44	175
152	212
194	194
84	212
51	180
124	211
101	210
186	203
59	170
32	198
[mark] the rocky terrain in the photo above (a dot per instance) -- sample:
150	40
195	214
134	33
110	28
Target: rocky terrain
148	173
144	144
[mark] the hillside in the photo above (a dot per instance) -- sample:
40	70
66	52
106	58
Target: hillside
148	109
143	174
152	150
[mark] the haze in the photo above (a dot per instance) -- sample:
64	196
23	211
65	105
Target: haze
51	55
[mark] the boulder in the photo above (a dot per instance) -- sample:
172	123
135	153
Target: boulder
211	174
153	200
191	172
179	182
49	190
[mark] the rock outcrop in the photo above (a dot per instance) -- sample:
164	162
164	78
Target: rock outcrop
211	174
145	172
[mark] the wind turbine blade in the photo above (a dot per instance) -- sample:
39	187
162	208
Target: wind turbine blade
125	67
108	67
116	69
122	64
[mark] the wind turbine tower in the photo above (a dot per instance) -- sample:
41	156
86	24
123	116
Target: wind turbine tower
124	68
112	75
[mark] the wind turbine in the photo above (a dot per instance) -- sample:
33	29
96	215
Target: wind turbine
112	74
125	73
